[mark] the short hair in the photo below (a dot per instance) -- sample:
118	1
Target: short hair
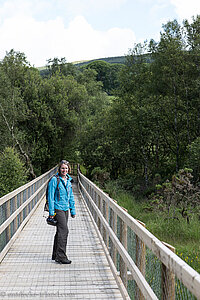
64	162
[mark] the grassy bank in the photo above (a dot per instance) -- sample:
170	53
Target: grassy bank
184	237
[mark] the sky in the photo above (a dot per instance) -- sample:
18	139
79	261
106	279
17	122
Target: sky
85	29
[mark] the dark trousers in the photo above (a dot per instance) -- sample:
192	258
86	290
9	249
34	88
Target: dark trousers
60	239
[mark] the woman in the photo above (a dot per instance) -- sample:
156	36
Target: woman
61	201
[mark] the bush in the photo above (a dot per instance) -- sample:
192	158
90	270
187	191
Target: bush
12	171
179	195
100	176
183	236
194	158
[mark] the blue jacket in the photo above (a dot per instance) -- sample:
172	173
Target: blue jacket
66	200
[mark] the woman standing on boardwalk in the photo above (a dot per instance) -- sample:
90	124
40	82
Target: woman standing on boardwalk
61	202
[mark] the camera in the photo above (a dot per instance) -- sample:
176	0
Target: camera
51	221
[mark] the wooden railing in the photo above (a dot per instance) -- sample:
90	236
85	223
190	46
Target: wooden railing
17	207
148	268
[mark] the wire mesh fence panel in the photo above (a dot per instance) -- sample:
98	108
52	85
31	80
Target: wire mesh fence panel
131	288
132	246
3	240
16	207
2	213
153	272
182	293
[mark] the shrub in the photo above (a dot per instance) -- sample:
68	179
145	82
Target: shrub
100	175
12	171
178	195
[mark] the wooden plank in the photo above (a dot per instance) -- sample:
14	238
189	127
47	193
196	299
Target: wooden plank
27	270
137	275
188	276
9	244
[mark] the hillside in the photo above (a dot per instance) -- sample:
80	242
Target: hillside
111	60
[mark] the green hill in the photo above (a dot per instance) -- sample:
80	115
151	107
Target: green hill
111	60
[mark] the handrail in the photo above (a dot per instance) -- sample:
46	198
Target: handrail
117	228
17	207
113	222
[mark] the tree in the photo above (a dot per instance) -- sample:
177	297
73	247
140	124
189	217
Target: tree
192	38
175	77
13	174
93	136
60	66
106	73
193	161
168	73
13	69
131	119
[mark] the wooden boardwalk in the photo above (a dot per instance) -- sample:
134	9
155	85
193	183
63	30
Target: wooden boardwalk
27	271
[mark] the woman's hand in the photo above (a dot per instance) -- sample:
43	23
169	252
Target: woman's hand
51	217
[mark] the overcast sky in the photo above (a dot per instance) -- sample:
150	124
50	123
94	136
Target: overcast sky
84	29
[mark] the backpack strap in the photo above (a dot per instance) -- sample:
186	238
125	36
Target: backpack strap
46	206
58	180
64	184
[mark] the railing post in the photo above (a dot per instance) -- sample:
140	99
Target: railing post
123	240
168	280
140	261
103	213
101	209
26	197
106	236
15	207
8	231
95	201
21	201
98	219
114	228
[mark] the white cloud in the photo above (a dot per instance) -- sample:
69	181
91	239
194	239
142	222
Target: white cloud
90	43
41	40
186	9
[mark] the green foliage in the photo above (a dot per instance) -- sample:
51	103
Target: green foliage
12	171
45	117
149	126
100	175
183	236
13	110
193	160
106	73
59	66
178	196
154	115
190	254
110	60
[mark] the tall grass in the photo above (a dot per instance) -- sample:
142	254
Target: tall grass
184	237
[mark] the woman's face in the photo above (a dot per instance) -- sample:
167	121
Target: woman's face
63	170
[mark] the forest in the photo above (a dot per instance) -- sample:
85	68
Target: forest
133	126
136	122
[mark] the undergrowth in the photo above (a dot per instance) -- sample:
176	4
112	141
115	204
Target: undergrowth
176	232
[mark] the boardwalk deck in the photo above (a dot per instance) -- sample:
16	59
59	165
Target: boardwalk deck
27	271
